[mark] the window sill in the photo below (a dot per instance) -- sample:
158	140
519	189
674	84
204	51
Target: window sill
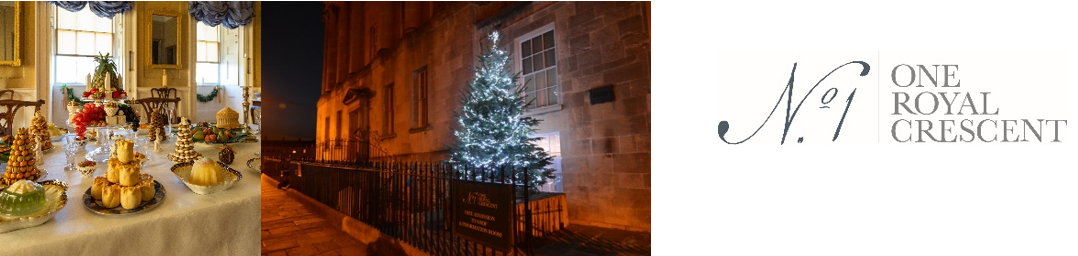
420	129
543	110
388	136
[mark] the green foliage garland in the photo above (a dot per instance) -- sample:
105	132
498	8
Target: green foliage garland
71	95
208	98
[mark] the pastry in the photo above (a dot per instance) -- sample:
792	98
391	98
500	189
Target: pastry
40	129
146	185
130	197
228	119
99	184
110	196
23	198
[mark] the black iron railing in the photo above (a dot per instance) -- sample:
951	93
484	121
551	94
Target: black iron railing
412	201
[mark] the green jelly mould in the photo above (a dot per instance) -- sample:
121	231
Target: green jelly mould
23	198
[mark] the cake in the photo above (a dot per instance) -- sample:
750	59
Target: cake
22	198
228	119
40	130
20	165
185	149
205	173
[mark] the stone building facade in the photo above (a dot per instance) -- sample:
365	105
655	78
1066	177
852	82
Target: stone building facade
394	72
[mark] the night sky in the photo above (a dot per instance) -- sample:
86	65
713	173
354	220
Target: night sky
292	36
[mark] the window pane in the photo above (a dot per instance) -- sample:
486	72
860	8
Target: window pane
200	51
101	24
530	99
104	42
213	33
537	62
540	81
548	40
85	20
73	69
65	19
211	52
527	65
525	49
85	44
537	45
552	77
65	42
529	84
207	73
552	95
550	57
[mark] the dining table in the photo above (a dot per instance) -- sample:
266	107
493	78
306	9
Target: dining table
183	223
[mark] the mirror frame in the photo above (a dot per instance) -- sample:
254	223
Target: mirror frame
17	61
147	24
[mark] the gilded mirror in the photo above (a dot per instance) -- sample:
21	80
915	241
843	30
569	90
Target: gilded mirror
164	40
9	33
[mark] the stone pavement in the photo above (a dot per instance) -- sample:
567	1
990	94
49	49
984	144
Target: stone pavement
289	229
579	240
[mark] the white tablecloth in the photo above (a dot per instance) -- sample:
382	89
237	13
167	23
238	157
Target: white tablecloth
185	223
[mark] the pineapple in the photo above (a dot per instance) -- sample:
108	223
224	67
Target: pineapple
105	68
227	154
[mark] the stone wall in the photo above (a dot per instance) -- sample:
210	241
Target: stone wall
606	147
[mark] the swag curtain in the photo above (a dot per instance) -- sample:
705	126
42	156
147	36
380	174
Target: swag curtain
104	9
231	14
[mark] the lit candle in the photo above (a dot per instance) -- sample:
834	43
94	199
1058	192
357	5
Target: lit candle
87	81
164	78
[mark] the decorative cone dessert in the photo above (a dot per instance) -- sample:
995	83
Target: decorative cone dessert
20	165
39	129
185	149
157	126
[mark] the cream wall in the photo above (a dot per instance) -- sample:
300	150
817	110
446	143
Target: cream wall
31	80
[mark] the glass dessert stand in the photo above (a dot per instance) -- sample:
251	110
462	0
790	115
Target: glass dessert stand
104	142
104	133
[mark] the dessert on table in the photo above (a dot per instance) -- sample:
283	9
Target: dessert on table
185	149
21	163
124	184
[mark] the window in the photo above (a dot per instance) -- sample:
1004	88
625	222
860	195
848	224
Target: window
539	69
419	100
551	143
387	111
340	119
374	41
325	135
79	38
207	59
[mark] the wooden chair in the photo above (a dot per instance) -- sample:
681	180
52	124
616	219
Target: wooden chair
10	109
164	93
149	104
159	97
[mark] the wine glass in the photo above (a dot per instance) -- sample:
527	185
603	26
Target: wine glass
70	148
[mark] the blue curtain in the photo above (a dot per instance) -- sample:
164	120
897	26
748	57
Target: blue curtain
232	14
105	9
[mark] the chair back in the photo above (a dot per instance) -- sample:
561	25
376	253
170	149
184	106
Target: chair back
9	109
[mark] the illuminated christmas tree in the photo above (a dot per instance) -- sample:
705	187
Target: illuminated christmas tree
493	133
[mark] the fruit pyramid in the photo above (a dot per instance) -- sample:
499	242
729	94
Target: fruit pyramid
20	165
157	126
39	129
185	149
